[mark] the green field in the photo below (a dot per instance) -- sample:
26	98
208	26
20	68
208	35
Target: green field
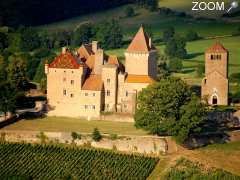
63	124
55	162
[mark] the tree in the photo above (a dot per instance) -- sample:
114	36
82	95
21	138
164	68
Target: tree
83	34
96	135
175	65
200	70
166	106
176	47
162	67
168	34
29	39
17	72
192	36
152	5
8	98
129	11
110	34
3	73
3	41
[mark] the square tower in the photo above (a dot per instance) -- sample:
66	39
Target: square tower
215	83
141	56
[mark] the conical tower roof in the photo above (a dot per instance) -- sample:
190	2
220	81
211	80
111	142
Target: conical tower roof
141	42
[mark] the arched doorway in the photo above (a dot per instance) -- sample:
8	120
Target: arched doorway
214	100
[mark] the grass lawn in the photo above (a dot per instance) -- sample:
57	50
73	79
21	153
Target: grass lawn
77	125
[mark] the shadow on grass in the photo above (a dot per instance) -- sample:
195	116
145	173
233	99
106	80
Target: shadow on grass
193	55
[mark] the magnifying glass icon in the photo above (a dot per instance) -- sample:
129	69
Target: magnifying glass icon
234	5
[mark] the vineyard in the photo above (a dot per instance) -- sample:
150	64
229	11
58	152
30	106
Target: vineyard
35	161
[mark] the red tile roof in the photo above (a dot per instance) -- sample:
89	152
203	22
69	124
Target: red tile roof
140	42
139	79
93	83
217	48
65	61
112	59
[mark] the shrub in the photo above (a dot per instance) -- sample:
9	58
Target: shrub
96	135
113	136
200	70
175	65
192	36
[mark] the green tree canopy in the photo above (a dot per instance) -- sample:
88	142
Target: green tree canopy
175	65
29	39
83	34
192	36
17	72
110	34
169	107
176	47
168	34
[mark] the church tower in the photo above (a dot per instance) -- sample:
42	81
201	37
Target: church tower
215	83
141	56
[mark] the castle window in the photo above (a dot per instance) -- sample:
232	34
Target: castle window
107	106
93	107
72	82
64	71
205	81
94	94
72	95
126	93
125	106
86	106
64	92
108	93
64	79
108	81
86	94
72	72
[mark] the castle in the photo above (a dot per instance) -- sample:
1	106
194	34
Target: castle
215	83
86	84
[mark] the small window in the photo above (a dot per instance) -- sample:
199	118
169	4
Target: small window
108	93
72	95
72	82
86	94
125	106
64	71
205	81
86	106
93	107
108	81
94	94
72	72
64	92
107	106
64	79
126	93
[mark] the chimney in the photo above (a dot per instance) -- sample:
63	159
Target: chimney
150	42
94	46
64	50
99	58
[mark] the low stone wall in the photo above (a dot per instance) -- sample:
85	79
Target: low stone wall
138	144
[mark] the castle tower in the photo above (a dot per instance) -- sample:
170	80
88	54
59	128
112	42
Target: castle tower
215	82
141	56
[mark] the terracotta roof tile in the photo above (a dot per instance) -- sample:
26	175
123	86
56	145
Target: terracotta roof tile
139	79
65	61
217	48
90	61
93	83
140	42
113	60
85	51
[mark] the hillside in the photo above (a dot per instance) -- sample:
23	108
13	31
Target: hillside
155	20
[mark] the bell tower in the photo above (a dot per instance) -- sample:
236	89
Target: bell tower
215	83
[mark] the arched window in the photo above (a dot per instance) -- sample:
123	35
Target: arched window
214	100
